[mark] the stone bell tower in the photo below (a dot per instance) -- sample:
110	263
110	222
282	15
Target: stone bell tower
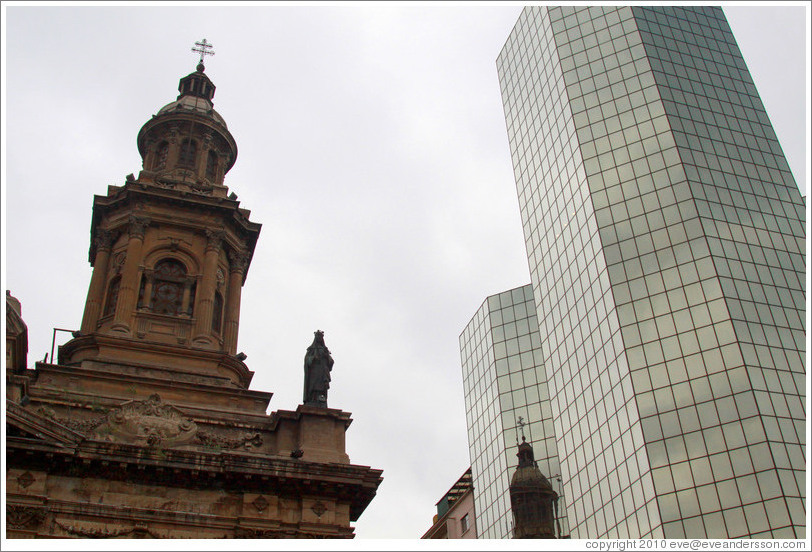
146	427
170	250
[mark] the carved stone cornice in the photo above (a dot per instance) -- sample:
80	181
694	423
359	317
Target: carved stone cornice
138	226
247	533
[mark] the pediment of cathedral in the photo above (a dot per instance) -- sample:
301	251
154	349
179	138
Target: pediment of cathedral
30	425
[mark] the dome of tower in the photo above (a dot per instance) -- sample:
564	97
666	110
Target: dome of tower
196	93
530	476
193	104
527	473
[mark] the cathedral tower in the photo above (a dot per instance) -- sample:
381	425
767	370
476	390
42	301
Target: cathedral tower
170	250
532	499
146	426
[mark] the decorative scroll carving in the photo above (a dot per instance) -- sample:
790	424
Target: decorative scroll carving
138	226
138	531
82	425
24	517
247	440
238	260
103	240
221	278
149	422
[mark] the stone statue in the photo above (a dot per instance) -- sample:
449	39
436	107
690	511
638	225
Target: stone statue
317	366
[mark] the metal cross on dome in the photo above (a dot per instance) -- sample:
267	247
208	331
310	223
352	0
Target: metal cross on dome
203	48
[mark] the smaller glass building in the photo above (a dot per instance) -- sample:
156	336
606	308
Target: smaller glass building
505	384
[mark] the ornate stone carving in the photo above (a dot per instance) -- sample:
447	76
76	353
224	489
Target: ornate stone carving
247	440
82	425
164	183
260	503
318	508
238	260
118	261
214	239
221	278
149	422
139	531
103	240
201	187
25	480
138	226
24	517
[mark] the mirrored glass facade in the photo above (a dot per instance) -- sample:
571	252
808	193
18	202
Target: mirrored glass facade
504	380
665	237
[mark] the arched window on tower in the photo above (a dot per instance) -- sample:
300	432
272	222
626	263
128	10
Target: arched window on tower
168	286
188	153
211	165
161	155
112	296
217	313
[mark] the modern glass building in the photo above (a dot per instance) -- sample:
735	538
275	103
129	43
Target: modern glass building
505	384
665	238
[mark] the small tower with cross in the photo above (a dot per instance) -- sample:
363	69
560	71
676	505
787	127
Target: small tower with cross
532	499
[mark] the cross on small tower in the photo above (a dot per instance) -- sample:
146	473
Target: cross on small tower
203	48
521	423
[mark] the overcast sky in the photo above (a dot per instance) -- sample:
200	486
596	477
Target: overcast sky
372	149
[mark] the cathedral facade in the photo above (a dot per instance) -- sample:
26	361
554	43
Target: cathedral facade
145	425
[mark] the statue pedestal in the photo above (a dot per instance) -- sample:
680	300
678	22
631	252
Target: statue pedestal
314	434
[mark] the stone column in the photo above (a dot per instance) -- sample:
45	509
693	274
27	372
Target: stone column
172	137
238	261
98	281
128	291
208	284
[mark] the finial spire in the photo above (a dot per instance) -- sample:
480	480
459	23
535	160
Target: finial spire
521	423
203	48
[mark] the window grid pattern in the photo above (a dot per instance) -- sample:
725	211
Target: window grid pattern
645	161
604	462
752	217
501	348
